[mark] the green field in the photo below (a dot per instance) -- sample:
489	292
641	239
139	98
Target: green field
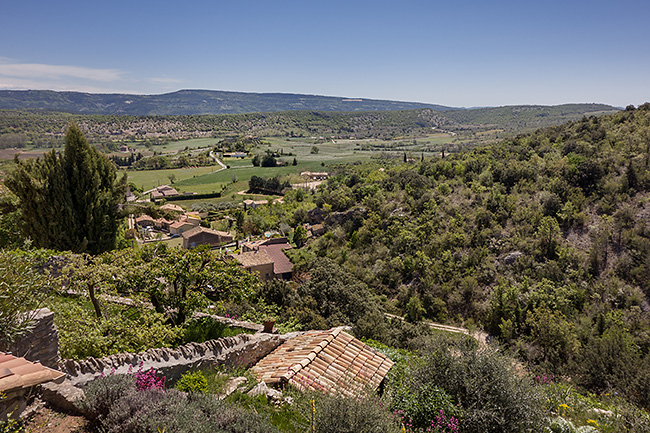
147	179
235	179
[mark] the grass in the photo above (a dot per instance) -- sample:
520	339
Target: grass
147	179
194	143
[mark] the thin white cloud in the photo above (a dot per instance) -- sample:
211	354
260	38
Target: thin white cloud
23	84
59	72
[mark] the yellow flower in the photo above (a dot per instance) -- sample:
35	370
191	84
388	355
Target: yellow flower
593	422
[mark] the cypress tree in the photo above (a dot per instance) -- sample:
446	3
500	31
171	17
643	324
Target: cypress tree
69	201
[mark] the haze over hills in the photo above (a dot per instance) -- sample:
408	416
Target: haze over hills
193	102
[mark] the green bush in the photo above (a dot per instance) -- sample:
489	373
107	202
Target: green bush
203	329
192	382
334	414
421	403
493	399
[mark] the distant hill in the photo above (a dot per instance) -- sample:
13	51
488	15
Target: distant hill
193	102
526	116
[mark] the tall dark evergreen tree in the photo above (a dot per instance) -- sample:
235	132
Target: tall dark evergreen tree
69	201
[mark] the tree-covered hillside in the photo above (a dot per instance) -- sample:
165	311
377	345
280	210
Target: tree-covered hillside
45	128
542	239
192	102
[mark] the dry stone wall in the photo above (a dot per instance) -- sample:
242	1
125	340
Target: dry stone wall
243	349
42	342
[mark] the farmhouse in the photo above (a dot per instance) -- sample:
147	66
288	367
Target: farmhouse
315	175
204	236
253	204
163	191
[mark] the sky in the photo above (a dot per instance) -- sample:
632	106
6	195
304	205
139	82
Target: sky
462	53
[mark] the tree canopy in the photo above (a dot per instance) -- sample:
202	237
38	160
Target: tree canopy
69	201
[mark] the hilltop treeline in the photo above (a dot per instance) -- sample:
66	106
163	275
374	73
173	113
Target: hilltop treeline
543	240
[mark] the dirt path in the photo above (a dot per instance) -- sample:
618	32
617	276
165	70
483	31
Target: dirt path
223	166
479	336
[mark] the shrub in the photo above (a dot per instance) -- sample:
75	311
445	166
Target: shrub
205	328
492	397
192	382
114	405
335	414
101	393
423	405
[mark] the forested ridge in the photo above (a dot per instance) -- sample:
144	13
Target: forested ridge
543	240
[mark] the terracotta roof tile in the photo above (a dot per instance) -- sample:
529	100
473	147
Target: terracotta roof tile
330	361
20	373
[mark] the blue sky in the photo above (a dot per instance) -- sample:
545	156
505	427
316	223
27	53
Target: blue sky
457	53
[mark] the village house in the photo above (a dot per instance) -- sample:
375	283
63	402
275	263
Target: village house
179	227
144	221
162	224
18	380
163	191
256	261
172	207
314	230
253	204
273	248
204	236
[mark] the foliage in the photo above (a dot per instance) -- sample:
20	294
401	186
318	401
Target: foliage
120	329
192	382
69	201
272	185
540	239
335	414
203	329
23	288
490	395
114	404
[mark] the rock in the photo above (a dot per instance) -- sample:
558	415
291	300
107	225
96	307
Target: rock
354	217
512	257
273	395
602	412
233	384
62	396
240	350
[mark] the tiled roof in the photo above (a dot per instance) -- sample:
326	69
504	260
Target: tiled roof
253	258
281	263
327	361
144	217
20	373
179	224
201	229
172	207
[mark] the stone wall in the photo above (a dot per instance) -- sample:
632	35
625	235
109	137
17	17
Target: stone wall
42	343
243	349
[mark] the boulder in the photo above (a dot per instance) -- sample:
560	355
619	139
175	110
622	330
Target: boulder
62	396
